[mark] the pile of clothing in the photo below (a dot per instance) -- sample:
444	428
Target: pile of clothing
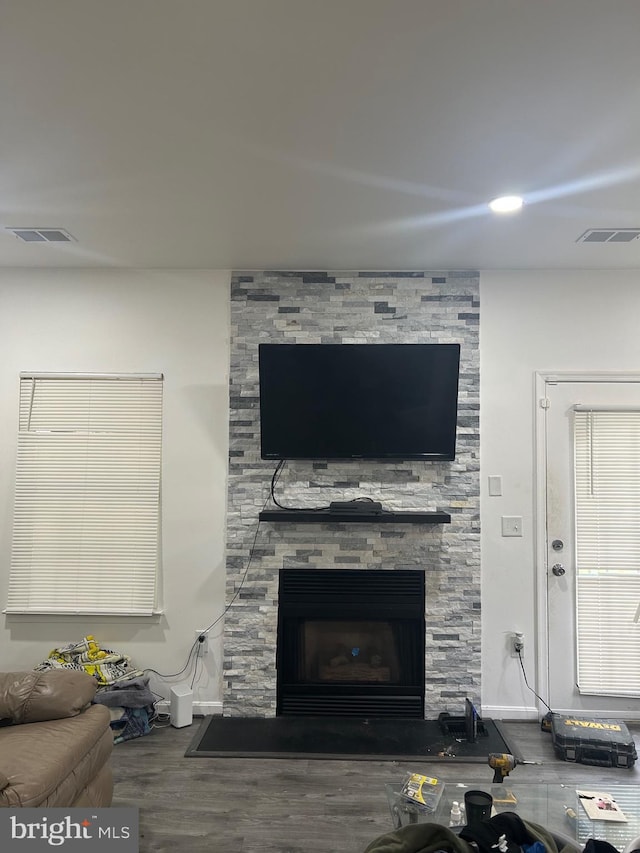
122	688
506	832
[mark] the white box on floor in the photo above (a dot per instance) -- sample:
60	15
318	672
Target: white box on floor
181	706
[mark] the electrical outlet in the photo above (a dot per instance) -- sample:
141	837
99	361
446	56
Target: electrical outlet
203	646
517	644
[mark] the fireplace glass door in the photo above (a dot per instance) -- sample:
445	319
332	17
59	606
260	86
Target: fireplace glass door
348	646
357	651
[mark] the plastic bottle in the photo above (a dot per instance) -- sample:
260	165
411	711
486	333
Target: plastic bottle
455	818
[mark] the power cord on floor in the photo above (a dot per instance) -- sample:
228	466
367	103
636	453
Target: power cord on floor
160	719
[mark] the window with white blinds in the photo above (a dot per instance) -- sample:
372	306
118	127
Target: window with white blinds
607	511
87	504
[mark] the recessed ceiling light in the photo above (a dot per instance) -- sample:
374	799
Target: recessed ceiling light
506	204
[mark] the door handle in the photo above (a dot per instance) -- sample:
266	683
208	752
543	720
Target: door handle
558	570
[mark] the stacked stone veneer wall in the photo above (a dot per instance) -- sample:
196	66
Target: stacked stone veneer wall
353	307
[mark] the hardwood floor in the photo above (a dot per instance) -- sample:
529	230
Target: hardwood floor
225	805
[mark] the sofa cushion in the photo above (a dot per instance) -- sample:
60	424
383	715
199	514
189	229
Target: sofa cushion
31	697
51	763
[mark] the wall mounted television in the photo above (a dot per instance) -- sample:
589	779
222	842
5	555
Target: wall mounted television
358	401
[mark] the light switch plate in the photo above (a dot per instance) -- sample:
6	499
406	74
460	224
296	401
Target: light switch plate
512	525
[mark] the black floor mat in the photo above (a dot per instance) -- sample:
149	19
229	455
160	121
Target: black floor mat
341	738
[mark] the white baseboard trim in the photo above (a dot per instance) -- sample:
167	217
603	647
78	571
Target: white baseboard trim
627	715
200	709
492	712
509	712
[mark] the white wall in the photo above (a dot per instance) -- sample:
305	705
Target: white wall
176	323
533	321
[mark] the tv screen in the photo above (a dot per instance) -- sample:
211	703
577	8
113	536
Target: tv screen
358	401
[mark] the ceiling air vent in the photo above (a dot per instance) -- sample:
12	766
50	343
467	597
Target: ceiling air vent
609	235
42	235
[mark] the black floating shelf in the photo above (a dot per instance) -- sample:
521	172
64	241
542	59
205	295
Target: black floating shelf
325	516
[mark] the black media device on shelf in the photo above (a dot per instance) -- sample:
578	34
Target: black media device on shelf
358	401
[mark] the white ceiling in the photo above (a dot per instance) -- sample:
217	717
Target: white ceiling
322	134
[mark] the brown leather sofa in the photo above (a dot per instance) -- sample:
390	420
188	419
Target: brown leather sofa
54	744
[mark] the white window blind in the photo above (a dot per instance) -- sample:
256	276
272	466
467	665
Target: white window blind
607	513
87	504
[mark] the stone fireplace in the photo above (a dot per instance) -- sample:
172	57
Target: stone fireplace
351	307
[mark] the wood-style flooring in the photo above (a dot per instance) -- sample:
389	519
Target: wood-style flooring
241	805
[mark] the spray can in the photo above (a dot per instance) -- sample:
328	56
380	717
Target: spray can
456	818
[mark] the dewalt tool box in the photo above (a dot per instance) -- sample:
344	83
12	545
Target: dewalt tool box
606	743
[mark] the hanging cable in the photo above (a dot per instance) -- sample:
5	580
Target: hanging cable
274	481
187	665
527	683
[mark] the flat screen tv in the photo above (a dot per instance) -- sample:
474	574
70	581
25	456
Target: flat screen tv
358	401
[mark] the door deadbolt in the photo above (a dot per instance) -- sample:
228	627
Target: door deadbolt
557	544
558	570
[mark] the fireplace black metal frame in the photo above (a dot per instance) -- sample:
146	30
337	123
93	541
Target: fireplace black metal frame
395	596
